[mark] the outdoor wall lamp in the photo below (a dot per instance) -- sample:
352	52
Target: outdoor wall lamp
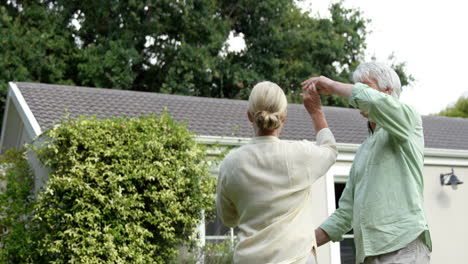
453	181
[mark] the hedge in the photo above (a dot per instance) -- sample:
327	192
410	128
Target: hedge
120	191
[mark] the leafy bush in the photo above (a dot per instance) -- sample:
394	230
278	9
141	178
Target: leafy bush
16	203
120	191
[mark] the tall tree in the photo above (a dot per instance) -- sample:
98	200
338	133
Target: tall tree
177	47
156	45
32	46
286	45
459	109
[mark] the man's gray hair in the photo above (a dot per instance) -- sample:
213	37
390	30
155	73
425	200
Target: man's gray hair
385	77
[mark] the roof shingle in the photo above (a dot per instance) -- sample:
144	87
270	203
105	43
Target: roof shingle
216	117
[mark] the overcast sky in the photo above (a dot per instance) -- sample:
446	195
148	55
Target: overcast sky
431	36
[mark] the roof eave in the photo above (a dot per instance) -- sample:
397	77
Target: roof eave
30	123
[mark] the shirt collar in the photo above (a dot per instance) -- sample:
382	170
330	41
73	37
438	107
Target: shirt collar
264	139
371	131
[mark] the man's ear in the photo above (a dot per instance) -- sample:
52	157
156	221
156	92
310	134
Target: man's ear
389	91
249	115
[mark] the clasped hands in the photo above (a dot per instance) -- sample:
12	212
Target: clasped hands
312	88
321	84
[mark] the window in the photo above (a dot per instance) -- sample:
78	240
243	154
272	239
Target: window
212	230
216	232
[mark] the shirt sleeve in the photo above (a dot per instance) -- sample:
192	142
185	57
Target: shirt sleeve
340	222
224	206
326	150
397	118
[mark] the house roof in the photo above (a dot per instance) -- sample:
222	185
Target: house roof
215	117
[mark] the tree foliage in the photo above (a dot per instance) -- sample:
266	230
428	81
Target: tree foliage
30	47
460	109
177	47
119	191
17	204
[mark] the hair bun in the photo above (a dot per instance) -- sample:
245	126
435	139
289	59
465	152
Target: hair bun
266	120
267	105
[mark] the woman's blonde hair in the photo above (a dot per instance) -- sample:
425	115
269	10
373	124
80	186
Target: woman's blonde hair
267	105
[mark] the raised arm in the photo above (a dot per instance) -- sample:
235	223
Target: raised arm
397	118
388	112
325	150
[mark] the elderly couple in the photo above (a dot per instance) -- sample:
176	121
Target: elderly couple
264	187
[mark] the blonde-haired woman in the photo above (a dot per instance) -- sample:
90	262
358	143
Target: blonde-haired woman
264	187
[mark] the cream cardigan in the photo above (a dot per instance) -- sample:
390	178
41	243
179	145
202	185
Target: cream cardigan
264	188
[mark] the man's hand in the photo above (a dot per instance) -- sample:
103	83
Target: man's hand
321	237
323	84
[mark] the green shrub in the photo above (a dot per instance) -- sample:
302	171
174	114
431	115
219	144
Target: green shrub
16	203
120	191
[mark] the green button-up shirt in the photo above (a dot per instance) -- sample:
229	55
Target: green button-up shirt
383	200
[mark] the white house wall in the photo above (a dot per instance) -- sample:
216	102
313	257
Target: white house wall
24	138
319	191
41	173
447	214
12	129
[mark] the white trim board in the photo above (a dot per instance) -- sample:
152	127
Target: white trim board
335	172
223	141
30	123
346	151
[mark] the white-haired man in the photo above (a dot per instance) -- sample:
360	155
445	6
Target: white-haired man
383	199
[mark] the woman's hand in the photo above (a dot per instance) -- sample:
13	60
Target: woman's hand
311	99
